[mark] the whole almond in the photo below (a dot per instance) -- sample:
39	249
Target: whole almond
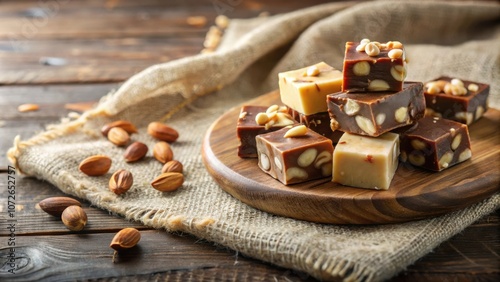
95	165
168	181
172	166
74	218
162	132
121	181
162	152
123	124
56	205
118	136
135	152
125	239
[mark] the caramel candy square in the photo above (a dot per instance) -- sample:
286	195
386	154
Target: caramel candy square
304	90
436	144
366	162
295	159
460	100
247	128
374	114
382	69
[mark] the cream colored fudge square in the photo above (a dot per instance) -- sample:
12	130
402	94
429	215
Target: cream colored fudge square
366	162
305	90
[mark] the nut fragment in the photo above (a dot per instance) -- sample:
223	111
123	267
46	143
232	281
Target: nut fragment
361	68
56	205
296	131
162	132
123	124
479	112
445	160
125	239
163	152
456	142
261	118
307	157
312	71
466	154
74	218
95	165
172	166
398	72
432	88
401	114
295	172
380	118
28	108
265	164
323	158
351	107
378	85
417	144
473	87
168	181
222	21
365	125
416	158
372	49
118	136
465	117
135	152
121	181
456	81
395	53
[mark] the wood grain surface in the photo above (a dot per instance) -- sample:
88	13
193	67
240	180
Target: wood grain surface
414	193
102	43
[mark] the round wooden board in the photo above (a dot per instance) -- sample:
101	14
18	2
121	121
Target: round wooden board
414	193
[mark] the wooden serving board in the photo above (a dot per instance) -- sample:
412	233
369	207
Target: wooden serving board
414	193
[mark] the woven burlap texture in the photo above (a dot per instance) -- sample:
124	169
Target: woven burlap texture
455	39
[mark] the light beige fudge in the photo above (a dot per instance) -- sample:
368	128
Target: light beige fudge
366	162
305	90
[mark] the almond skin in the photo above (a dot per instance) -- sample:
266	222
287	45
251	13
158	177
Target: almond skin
135	152
74	218
162	132
118	136
121	181
162	152
168	181
95	165
123	124
56	205
172	166
125	239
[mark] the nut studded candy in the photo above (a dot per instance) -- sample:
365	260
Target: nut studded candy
373	66
456	99
436	144
319	123
255	120
304	90
366	162
295	155
373	114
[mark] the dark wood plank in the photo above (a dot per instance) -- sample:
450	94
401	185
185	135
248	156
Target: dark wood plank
88	256
414	193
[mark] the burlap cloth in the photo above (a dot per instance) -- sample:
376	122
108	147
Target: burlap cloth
460	39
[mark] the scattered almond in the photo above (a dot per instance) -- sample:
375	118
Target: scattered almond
56	205
74	218
95	165
121	181
162	132
118	136
123	124
135	152
28	108
125	239
162	152
168	181
172	166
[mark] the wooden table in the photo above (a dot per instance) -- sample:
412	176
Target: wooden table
65	55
